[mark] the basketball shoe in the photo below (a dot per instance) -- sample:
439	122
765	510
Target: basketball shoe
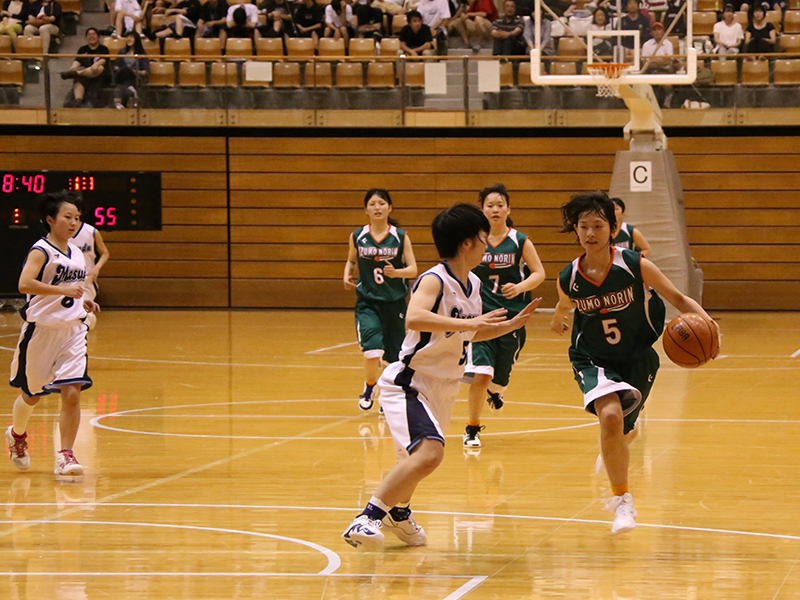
365	533
624	513
365	400
495	402
401	522
472	436
66	464
18	449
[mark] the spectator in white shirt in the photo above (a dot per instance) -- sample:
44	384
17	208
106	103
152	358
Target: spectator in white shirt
239	30
339	21
436	14
128	15
659	58
728	34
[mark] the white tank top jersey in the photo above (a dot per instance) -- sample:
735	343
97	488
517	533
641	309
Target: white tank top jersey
438	354
58	269
84	240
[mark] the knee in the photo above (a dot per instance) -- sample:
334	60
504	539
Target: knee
481	380
429	457
611	420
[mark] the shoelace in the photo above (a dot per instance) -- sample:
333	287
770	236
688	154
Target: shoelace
19	446
69	457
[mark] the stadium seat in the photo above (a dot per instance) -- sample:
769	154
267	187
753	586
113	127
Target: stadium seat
300	47
151	47
349	75
755	72
362	47
239	48
569	46
380	75
322	75
271	47
207	47
563	68
415	74
725	72
524	74
790	42
390	46
224	74
506	75
398	22
177	47
707	5
162	74
5	45
192	74
114	45
331	47
286	75
741	17
791	21
703	23
775	17
11	72
787	72
29	45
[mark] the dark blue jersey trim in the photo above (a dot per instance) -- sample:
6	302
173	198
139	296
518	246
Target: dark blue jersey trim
466	289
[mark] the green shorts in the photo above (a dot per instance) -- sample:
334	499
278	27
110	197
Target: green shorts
381	327
495	357
631	380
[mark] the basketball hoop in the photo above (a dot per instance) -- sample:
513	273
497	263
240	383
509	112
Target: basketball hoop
607	75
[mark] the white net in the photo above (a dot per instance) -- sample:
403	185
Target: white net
606	76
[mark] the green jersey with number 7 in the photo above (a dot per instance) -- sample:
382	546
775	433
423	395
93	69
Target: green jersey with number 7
503	264
617	318
373	256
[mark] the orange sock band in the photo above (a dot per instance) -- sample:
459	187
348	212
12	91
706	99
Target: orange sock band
474	423
372	382
618	490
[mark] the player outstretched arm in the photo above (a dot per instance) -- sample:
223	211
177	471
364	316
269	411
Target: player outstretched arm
532	281
410	270
496	330
560	322
350	281
641	242
100	246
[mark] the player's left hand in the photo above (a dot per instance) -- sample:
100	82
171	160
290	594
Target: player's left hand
525	314
510	290
389	270
91	276
91	306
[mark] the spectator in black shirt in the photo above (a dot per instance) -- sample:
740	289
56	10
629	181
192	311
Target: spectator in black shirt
130	68
308	18
187	16
212	18
279	19
13	18
760	35
370	20
635	20
416	37
90	72
43	19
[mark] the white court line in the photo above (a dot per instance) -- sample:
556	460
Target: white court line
466	588
796	354
236	574
9	335
318	350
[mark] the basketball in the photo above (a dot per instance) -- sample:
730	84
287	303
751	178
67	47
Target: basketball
690	340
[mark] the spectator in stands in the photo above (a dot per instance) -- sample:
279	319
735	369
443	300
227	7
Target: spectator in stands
339	21
129	71
186	18
635	20
43	19
416	38
308	20
436	14
90	71
673	8
507	32
369	20
602	46
728	34
212	18
476	23
760	35
548	45
657	52
279	20
240	22
129	17
390	7
562	8
526	7
13	17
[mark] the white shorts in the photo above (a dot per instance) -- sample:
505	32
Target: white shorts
48	357
416	407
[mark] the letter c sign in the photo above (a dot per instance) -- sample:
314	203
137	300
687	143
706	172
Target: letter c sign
641	176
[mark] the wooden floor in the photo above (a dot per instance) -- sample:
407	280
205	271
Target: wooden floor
225	455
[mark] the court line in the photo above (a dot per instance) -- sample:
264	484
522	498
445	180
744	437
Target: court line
466	588
236	574
334	562
318	350
796	354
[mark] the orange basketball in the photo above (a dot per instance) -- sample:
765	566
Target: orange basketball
690	340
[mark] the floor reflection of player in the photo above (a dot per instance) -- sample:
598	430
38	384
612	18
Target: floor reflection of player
418	391
51	352
618	317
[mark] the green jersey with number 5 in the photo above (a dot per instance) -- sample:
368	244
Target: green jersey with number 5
618	318
373	255
503	264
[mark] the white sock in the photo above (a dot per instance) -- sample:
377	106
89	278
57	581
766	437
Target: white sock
22	413
375	501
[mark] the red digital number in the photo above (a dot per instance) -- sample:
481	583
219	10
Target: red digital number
27	182
105	216
112	218
8	183
38	184
91	186
99	218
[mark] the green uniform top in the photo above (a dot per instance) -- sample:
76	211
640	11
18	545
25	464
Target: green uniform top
618	318
503	264
372	256
624	238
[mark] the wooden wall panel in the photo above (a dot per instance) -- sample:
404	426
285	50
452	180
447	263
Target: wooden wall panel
184	264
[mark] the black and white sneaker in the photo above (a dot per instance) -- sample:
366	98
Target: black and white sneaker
406	528
364	533
472	436
365	400
495	402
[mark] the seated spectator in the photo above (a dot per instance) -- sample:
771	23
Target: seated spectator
369	20
634	20
658	58
436	14
129	17
129	71
240	22
390	7
339	21
13	18
279	20
728	34
602	46
43	19
548	46
416	38
760	35
655	9
507	32
308	20
212	18
562	8
671	15
475	25
90	72
186	18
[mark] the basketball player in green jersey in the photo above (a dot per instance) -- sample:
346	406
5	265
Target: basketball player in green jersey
626	235
618	317
384	258
509	271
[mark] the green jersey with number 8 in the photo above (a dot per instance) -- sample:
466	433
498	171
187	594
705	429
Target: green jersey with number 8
503	264
372	257
618	318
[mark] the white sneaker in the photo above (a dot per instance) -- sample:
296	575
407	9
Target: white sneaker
407	530
624	513
366	400
365	533
18	450
472	436
66	464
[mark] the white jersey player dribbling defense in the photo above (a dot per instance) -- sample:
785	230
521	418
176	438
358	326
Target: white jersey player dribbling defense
418	391
51	352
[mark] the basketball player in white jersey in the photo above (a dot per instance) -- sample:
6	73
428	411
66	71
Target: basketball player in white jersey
418	391
96	254
51	352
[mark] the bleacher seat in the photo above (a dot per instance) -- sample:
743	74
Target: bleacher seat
162	74
177	47
380	75
300	47
114	45
415	74
390	46
707	5
725	72
239	48
29	45
563	68
569	46
775	17
224	74
151	47
207	47
362	47
11	72
398	22
787	72
286	75
192	74
703	23
741	17
755	72
5	45
791	21
506	75
349	75
331	47
790	42
524	75
322	77
271	47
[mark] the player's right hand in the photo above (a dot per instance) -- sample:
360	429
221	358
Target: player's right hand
350	283
72	290
559	326
490	319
